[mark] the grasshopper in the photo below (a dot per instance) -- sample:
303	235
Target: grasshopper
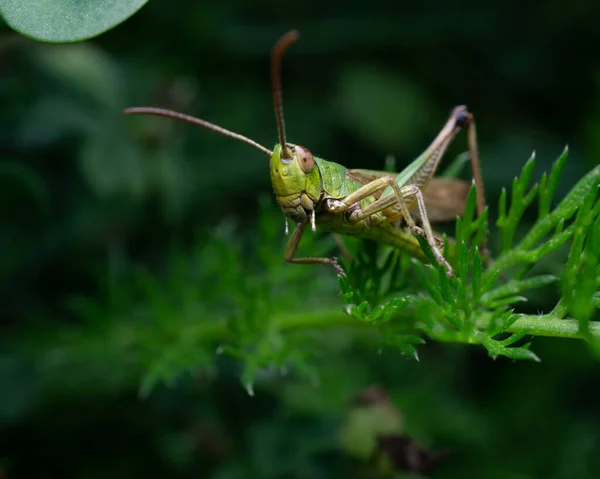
361	203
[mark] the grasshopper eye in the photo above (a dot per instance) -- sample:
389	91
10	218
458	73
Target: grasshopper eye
305	159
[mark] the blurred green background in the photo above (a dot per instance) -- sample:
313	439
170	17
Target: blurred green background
128	242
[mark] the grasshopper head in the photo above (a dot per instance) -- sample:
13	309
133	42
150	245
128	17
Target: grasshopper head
296	180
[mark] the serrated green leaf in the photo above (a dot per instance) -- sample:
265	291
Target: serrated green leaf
502	208
565	210
408	350
526	173
514	287
505	301
496	348
512	339
432	284
469	213
547	193
530	196
543	202
445	310
476	278
501	321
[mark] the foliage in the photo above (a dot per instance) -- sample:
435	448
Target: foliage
112	227
477	304
261	315
64	21
275	318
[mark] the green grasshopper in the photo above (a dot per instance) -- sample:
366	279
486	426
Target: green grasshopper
360	203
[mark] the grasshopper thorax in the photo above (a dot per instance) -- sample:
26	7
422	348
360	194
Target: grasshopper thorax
296	180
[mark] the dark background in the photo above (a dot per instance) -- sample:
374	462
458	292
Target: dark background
91	199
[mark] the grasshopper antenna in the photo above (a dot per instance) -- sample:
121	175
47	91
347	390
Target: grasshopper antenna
278	50
149	110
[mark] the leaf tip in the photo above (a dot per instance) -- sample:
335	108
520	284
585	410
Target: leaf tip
249	387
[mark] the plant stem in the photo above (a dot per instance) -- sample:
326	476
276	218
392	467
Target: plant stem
552	327
543	325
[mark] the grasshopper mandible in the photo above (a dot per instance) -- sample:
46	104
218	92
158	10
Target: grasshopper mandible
361	203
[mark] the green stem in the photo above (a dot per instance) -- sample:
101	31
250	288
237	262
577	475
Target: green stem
549	326
552	327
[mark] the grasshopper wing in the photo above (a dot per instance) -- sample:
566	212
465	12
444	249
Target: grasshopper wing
445	199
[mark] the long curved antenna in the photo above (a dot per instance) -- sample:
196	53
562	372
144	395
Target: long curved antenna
280	47
149	110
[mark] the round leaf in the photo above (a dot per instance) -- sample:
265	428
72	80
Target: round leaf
65	21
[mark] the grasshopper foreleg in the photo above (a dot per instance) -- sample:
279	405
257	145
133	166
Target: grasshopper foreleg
399	198
292	245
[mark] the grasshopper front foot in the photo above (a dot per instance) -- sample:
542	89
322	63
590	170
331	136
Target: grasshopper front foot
331	261
292	245
446	266
436	245
340	271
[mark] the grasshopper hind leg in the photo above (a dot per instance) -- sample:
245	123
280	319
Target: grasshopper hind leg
434	242
397	198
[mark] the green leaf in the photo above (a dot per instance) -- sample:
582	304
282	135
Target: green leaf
521	198
513	287
476	278
499	348
565	210
580	273
66	21
549	184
